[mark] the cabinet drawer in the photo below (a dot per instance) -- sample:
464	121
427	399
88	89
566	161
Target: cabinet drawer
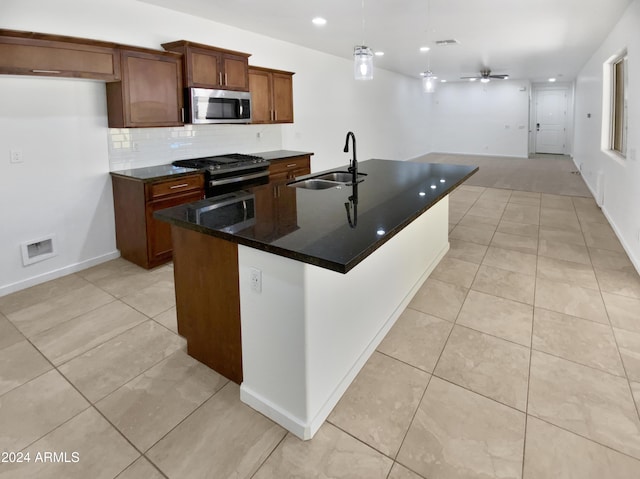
297	164
175	187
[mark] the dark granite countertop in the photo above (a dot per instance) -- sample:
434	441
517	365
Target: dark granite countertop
313	226
280	154
154	173
163	172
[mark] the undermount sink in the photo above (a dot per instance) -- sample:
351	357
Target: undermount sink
316	184
339	176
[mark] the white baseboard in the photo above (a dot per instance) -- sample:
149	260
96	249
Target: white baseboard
635	261
58	273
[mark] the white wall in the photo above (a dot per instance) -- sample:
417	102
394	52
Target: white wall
621	177
481	118
63	186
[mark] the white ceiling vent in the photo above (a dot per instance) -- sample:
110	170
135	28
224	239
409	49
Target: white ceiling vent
450	41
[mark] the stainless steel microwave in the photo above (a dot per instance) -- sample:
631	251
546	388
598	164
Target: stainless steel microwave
217	106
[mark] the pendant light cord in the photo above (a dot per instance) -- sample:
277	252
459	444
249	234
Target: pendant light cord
363	22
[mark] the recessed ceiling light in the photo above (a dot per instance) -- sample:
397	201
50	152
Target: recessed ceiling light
380	232
424	49
443	81
319	21
472	79
552	80
379	54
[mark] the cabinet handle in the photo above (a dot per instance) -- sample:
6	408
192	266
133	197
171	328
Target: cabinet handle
182	185
46	71
182	114
275	115
292	165
220	78
225	79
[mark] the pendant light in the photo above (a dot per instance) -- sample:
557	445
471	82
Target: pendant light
362	58
428	81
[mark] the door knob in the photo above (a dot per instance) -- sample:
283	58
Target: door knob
537	126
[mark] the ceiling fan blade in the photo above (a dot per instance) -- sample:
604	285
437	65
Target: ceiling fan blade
500	77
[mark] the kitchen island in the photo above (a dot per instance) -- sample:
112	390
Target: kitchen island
289	298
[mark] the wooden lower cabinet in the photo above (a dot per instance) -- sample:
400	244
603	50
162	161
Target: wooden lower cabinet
277	201
208	300
141	238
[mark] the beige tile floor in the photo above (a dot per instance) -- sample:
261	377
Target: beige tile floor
519	357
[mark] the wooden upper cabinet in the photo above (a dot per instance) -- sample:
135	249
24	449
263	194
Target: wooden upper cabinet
28	53
282	97
150	92
271	95
210	67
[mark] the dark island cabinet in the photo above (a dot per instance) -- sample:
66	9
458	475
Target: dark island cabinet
211	67
141	238
150	91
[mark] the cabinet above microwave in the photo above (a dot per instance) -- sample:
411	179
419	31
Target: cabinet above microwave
210	67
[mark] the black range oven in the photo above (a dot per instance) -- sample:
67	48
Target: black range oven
229	173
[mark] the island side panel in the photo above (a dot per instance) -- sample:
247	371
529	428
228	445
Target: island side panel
274	338
349	315
208	300
338	320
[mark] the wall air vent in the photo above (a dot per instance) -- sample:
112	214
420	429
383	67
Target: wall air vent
38	250
450	41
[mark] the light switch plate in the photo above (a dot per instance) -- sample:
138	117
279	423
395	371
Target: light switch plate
15	156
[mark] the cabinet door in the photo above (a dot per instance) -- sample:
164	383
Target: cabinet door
260	88
287	209
150	93
204	69
159	232
282	98
155	84
235	72
50	55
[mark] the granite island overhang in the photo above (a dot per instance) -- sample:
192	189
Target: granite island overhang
291	299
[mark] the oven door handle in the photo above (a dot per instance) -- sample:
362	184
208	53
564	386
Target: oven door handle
238	179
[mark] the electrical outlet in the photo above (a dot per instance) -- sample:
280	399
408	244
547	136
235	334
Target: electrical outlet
256	280
15	156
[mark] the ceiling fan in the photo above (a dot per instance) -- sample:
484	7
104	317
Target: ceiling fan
486	76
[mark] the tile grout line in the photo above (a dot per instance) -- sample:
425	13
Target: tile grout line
533	314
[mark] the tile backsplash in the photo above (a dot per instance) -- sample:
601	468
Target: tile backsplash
140	147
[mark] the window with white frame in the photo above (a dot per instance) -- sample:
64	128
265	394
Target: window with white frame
618	105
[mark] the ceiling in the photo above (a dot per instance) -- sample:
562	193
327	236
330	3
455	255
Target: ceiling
527	39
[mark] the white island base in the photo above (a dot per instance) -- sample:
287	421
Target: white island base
310	330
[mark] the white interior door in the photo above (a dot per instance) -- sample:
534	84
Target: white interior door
551	121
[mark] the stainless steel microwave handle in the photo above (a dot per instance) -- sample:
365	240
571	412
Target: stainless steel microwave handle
244	208
237	179
241	109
